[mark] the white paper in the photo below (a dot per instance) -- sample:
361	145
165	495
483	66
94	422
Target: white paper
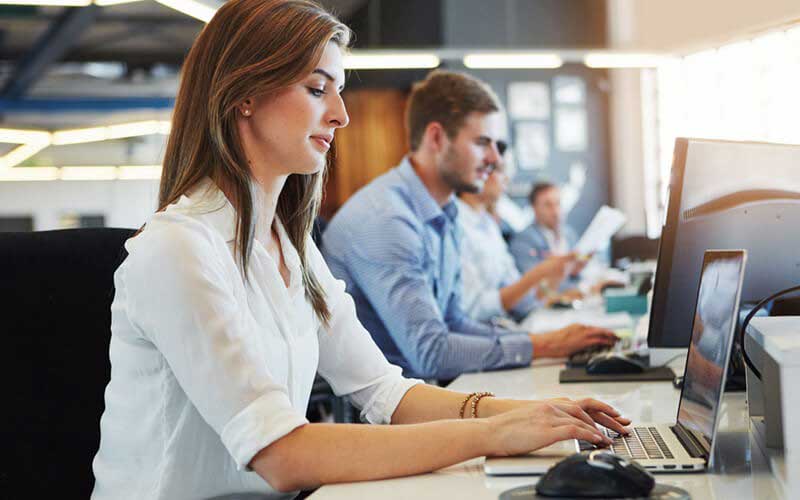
605	224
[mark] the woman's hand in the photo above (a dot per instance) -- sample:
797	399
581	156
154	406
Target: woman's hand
539	424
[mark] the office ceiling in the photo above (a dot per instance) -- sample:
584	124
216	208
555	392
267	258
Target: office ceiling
140	38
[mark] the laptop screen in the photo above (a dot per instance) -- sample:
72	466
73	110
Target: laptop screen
715	319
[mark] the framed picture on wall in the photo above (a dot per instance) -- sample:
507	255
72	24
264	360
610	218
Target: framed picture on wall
571	129
532	144
569	90
529	100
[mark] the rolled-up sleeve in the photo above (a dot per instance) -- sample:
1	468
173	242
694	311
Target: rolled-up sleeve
349	359
183	301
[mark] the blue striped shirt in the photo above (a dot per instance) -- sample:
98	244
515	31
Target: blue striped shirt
397	251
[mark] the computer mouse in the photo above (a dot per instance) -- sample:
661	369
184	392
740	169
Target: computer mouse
614	363
596	474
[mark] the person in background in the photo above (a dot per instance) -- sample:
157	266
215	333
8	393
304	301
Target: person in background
548	234
224	308
493	287
395	243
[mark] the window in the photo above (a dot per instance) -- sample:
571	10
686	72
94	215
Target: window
744	91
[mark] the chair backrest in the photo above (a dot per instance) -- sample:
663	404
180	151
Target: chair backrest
56	289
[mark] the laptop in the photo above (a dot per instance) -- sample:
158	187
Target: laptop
687	444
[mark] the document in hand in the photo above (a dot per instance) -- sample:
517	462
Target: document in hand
605	224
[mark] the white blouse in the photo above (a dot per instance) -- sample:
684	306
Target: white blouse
207	369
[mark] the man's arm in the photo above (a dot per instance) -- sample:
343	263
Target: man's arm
392	274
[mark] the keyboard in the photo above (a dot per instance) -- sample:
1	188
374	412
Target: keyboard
641	443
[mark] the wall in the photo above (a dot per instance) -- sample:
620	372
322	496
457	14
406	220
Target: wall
689	25
124	203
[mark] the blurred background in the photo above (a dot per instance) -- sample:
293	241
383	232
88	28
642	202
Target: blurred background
595	93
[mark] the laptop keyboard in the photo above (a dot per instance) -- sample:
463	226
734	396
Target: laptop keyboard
641	443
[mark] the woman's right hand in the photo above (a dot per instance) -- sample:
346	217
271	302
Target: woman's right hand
540	424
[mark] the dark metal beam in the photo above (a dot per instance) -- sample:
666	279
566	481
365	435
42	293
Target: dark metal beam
62	34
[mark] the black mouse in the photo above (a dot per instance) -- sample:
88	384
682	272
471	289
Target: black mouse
596	474
613	363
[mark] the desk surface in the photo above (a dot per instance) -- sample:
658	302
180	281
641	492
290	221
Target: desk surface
741	473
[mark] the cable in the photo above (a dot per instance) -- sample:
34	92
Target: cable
750	316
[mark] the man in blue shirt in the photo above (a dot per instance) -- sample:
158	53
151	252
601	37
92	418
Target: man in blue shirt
548	234
395	243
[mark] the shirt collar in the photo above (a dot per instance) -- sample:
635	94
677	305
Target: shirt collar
424	204
210	203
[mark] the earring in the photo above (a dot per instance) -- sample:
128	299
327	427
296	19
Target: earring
246	112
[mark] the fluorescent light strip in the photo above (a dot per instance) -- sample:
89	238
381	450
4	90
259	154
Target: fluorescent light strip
621	60
366	60
43	3
193	8
138	172
512	60
88	173
21	136
29	174
106	3
20	154
119	131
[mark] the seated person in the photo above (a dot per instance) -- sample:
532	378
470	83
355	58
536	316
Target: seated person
548	234
492	284
395	243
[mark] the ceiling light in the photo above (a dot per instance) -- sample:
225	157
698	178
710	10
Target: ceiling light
512	60
137	172
56	3
21	136
106	3
621	60
377	60
88	173
29	174
20	154
194	8
119	131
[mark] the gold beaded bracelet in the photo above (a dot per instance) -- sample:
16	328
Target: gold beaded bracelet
475	401
474	407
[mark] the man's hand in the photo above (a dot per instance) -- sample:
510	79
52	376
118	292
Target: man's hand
570	339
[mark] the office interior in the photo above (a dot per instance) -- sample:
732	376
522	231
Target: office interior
597	97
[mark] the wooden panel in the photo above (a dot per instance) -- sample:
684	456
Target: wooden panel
374	142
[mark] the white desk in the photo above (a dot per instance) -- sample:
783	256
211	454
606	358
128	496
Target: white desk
741	473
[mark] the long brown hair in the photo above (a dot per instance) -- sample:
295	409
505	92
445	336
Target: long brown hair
250	48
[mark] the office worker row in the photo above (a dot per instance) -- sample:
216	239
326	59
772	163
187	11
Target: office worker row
224	309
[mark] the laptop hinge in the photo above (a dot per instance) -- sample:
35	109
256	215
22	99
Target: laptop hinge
689	442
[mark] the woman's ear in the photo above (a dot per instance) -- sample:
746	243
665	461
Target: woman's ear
246	107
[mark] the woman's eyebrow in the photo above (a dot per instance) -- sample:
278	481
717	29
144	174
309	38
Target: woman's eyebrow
327	75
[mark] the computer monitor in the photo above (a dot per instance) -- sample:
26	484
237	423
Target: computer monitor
724	194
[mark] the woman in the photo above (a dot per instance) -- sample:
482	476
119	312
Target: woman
224	308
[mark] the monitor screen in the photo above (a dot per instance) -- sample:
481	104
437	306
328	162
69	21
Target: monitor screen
725	194
711	341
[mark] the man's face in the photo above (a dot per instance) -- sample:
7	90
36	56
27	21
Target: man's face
495	184
472	154
548	208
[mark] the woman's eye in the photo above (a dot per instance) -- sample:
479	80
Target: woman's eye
316	92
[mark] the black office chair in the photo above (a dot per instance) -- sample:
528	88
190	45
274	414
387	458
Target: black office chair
56	289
